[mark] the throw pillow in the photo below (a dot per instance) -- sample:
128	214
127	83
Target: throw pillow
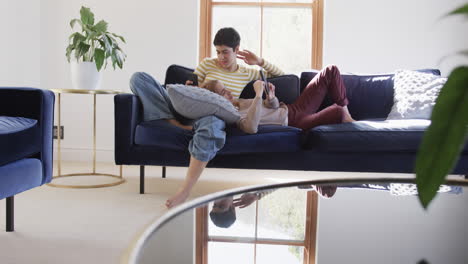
194	102
415	94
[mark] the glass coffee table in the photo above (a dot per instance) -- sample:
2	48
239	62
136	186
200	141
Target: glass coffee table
336	221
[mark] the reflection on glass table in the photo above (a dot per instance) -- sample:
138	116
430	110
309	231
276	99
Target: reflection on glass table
358	222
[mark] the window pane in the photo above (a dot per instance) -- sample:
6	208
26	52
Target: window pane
287	38
246	20
267	254
244	225
282	215
274	1
289	1
243	1
230	253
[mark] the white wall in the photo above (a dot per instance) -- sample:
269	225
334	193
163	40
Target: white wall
381	36
20	43
158	33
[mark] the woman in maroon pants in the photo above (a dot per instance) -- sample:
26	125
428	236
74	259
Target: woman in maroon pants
302	113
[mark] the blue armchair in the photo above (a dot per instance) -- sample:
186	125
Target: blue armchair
26	123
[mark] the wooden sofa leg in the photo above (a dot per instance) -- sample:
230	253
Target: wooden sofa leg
10	214
164	171
142	179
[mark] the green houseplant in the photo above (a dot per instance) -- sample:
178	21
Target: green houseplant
91	48
446	136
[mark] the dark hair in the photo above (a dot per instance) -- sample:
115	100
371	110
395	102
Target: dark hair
224	219
228	37
326	191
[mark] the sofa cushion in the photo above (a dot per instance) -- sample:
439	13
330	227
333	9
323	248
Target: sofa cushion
19	138
194	102
368	136
415	94
177	74
270	138
160	133
19	176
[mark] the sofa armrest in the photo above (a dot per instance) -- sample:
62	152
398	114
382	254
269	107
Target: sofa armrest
128	112
36	104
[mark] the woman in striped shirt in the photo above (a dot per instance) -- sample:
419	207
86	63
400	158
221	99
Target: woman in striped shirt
225	68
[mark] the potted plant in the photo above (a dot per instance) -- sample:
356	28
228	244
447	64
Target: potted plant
90	50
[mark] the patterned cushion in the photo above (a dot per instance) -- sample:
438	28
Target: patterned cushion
194	102
415	94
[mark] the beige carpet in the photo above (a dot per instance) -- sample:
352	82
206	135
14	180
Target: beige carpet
56	225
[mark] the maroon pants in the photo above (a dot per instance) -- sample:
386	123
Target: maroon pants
303	113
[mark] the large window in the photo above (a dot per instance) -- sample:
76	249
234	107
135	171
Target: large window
271	230
288	33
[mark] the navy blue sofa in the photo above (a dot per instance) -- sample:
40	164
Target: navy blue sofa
370	145
26	122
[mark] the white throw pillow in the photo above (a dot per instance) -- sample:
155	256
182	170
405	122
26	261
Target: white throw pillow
194	102
415	94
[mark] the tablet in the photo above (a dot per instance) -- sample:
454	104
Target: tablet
265	81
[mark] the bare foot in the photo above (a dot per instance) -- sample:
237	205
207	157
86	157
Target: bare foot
347	116
348	119
178	124
177	199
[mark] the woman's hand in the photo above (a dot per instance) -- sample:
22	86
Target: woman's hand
258	87
245	200
249	57
271	91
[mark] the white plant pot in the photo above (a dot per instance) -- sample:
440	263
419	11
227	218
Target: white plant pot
85	75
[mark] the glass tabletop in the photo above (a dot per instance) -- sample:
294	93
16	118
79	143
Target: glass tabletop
353	221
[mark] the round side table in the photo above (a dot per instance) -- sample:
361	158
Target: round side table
119	178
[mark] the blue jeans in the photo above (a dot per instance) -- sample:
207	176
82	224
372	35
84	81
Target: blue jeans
208	132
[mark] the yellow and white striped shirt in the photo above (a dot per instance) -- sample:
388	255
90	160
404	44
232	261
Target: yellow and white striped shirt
233	81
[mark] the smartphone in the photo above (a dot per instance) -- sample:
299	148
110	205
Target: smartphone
266	83
194	78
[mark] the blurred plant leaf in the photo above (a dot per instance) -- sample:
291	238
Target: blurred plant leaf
120	37
99	58
107	43
100	27
463	10
74	21
77	38
461	52
68	52
81	50
445	137
87	17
